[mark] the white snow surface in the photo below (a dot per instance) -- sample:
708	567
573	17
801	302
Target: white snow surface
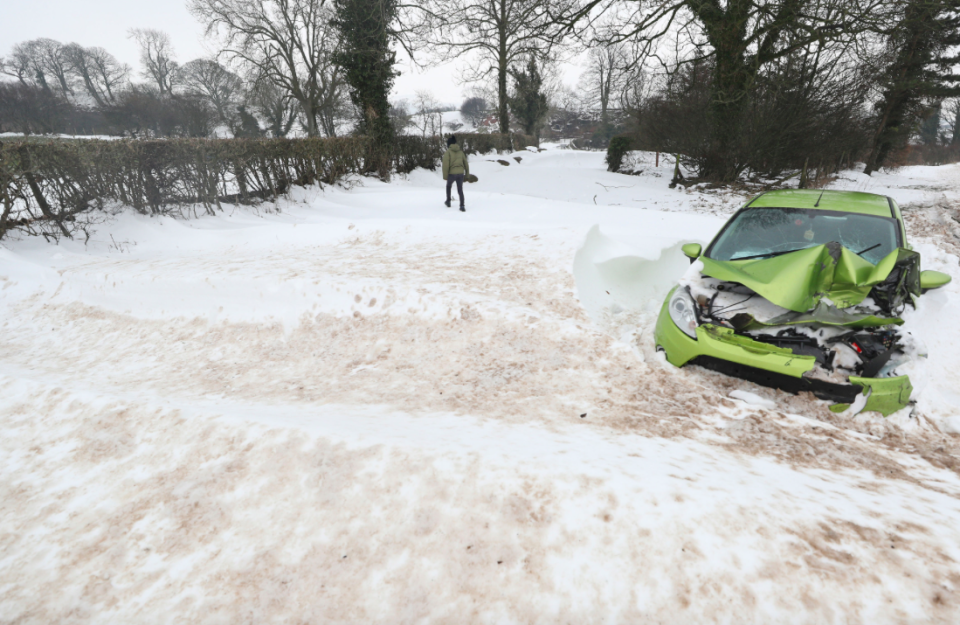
753	398
361	406
20	135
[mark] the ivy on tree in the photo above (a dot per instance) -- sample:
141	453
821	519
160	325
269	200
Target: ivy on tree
529	103
367	61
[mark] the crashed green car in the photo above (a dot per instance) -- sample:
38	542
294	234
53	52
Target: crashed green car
802	290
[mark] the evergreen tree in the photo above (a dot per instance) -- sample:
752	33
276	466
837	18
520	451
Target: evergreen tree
930	125
365	28
919	75
528	103
249	126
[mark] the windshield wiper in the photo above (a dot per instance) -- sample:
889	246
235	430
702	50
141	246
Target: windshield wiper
771	254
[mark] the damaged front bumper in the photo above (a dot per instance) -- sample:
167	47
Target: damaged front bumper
722	350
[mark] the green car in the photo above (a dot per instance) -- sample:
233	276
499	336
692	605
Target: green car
802	290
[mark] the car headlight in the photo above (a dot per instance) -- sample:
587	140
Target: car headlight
683	312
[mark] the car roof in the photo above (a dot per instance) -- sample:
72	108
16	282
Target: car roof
844	201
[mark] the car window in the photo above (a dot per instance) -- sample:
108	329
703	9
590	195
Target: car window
760	232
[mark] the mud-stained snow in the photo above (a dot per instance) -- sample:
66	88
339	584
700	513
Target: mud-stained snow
360	406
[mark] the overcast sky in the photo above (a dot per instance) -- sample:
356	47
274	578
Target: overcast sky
105	23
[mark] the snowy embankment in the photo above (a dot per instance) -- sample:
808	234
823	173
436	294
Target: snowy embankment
370	408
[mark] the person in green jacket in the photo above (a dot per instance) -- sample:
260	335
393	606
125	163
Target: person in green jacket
455	168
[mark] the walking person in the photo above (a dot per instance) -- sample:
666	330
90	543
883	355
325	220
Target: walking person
455	169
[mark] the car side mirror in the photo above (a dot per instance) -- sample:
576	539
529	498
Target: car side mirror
932	279
693	250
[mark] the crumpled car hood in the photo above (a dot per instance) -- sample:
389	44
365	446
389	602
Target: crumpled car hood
799	280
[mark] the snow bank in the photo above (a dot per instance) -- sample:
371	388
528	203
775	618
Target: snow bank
613	279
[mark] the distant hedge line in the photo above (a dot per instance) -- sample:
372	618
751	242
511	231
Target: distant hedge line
56	188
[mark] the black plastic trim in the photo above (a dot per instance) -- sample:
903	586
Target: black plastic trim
841	393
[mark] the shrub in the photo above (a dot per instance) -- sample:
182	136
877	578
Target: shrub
797	112
618	148
51	187
31	110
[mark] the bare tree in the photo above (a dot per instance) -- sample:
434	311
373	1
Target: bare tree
633	98
499	34
277	107
40	62
568	99
473	110
953	110
426	117
608	68
741	38
208	79
333	104
288	43
54	60
101	75
17	65
157	58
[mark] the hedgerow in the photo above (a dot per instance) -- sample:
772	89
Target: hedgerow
56	188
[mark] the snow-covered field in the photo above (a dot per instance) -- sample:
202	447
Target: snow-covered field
361	406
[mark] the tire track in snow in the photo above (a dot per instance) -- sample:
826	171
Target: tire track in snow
503	336
127	511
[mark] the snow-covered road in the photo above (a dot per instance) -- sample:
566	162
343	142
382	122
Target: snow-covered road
370	408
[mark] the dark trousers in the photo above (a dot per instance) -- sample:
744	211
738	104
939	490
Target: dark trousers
458	178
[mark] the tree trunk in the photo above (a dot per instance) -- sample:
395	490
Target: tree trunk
890	126
502	70
726	30
955	140
730	80
874	159
7	209
91	88
895	124
504	113
64	87
310	115
605	88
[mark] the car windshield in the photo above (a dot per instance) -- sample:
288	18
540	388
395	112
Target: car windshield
767	232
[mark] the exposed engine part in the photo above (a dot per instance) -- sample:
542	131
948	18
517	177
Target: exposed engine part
868	345
875	348
799	344
838	351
